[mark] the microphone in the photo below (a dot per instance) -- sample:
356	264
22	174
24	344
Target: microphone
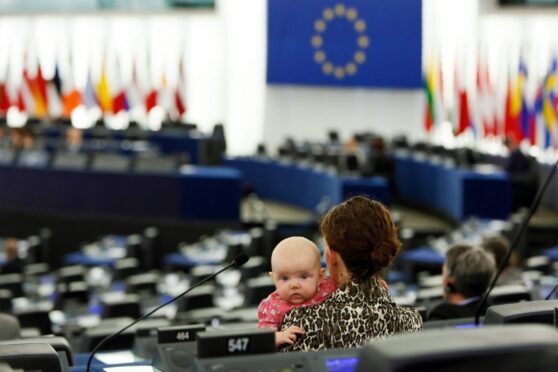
518	233
238	261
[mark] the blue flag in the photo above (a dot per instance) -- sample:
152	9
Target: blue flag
372	43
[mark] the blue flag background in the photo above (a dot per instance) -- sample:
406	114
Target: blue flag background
374	43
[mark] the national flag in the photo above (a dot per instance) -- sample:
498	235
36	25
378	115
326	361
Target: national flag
465	121
38	90
429	86
151	100
179	101
104	93
513	108
4	98
20	101
486	100
89	96
119	100
548	102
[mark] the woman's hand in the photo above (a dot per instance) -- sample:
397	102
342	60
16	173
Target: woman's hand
288	336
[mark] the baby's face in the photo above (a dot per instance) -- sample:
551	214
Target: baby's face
296	279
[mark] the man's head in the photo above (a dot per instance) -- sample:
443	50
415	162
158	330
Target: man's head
11	249
467	271
296	269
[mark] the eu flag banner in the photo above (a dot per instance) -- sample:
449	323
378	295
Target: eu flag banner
373	43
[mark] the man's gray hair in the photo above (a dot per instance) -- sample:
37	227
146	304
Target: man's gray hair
471	268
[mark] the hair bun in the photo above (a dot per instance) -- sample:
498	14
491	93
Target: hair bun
384	253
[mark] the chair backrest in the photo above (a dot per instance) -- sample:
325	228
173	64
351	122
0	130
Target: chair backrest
125	306
70	160
156	164
13	283
33	158
522	312
37	318
9	327
257	289
110	162
31	357
7	156
59	344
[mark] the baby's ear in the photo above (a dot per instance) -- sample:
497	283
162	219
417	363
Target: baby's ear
271	274
322	272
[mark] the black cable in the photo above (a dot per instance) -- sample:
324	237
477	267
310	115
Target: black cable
239	260
519	232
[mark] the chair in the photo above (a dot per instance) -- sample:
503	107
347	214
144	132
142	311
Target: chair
201	297
253	268
5	301
33	158
125	268
110	162
59	344
92	336
9	327
70	160
507	294
73	293
124	306
13	283
522	312
257	289
144	284
155	164
74	273
31	357
35	318
7	156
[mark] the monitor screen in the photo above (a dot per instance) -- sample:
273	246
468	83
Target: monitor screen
341	364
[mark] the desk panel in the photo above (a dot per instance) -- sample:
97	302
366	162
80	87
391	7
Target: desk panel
459	193
304	186
201	193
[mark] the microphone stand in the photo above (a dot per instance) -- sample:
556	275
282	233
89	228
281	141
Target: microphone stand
515	242
237	262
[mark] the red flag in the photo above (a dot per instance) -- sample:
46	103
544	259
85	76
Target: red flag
464	114
179	103
20	101
151	100
4	98
119	102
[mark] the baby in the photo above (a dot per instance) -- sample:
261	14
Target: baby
298	278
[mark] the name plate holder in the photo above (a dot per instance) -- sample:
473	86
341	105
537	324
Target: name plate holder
176	347
236	342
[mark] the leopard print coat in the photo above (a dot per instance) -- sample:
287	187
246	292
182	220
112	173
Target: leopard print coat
355	313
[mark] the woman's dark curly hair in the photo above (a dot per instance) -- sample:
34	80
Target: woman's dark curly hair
362	231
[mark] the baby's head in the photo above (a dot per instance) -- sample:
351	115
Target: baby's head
296	269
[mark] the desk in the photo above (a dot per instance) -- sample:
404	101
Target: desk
305	186
459	193
199	193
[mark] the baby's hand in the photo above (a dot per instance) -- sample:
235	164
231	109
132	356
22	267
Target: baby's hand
288	336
